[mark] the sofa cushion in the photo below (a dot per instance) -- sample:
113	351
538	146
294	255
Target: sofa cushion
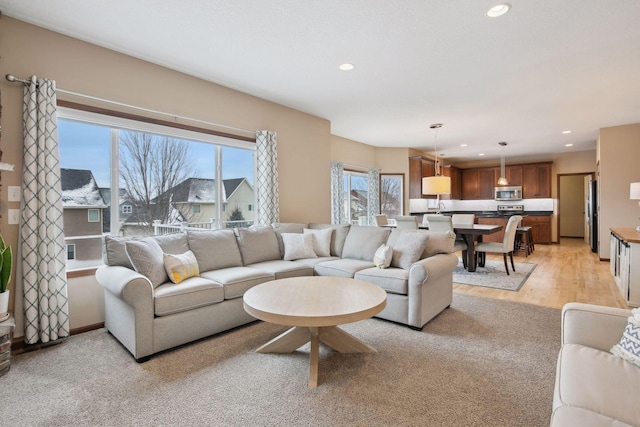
321	240
598	381
191	293
114	251
282	269
338	237
287	227
628	347
237	280
564	416
311	262
392	280
363	241
258	244
344	267
175	243
214	249
408	248
146	257
439	242
297	246
181	266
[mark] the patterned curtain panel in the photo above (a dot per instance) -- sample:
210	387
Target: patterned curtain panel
337	192
373	195
41	235
268	202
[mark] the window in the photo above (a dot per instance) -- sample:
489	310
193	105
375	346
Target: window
355	197
163	177
93	215
391	194
250	208
71	252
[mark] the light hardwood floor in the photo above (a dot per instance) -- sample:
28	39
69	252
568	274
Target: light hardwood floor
566	272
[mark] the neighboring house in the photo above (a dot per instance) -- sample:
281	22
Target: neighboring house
125	206
195	199
358	201
83	208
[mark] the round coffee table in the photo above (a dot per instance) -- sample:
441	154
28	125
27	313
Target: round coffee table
314	306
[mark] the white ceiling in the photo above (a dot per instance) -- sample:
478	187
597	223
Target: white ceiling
544	67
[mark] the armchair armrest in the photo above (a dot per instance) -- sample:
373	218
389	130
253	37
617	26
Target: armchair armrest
593	325
434	266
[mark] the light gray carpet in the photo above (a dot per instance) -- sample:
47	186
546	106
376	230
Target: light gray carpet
493	275
482	362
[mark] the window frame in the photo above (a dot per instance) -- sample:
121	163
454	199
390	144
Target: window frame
401	177
117	121
93	210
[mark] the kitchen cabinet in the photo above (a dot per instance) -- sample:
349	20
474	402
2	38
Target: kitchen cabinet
625	263
494	237
456	183
540	227
478	183
514	174
419	167
536	181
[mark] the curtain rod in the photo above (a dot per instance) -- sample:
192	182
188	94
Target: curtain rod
13	79
359	166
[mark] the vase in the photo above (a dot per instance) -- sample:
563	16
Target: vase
4	302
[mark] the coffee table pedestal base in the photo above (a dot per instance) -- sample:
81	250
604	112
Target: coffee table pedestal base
332	336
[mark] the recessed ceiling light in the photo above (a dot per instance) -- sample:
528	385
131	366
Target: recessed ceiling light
481	154
498	10
346	67
566	131
464	145
568	145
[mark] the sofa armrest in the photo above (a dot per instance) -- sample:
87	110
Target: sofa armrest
434	266
593	325
126	284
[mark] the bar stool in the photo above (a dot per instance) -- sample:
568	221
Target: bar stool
524	240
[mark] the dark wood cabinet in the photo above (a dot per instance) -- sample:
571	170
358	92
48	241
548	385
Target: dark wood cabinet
469	184
540	228
514	174
419	167
536	181
456	183
487	178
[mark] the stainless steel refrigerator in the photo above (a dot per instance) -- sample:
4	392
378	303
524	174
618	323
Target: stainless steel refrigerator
592	214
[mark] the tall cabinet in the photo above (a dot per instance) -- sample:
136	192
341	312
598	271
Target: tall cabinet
624	263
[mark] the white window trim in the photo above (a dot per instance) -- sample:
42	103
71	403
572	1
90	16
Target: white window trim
89	215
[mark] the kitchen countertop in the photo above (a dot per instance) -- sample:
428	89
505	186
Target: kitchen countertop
627	234
494	214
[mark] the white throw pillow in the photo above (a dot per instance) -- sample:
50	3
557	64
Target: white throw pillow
382	257
297	246
629	346
321	240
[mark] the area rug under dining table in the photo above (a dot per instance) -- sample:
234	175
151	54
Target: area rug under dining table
493	275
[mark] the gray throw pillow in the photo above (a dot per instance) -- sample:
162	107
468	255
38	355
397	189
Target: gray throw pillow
440	242
146	258
258	244
175	243
408	248
287	227
214	249
338	237
363	241
114	251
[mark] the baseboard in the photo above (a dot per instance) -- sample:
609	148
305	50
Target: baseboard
19	346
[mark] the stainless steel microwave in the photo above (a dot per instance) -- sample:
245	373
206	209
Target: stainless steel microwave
513	192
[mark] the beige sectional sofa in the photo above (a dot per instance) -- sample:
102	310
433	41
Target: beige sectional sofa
148	313
594	387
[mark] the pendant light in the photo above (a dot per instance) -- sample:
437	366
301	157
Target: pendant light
502	180
438	184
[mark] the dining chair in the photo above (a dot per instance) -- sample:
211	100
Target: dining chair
438	222
507	245
381	220
466	219
407	222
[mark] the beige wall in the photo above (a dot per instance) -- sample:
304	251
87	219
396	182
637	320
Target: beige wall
619	149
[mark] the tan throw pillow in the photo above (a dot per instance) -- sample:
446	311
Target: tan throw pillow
181	267
382	258
298	246
321	240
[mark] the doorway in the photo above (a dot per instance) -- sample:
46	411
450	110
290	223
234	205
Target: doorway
573	214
